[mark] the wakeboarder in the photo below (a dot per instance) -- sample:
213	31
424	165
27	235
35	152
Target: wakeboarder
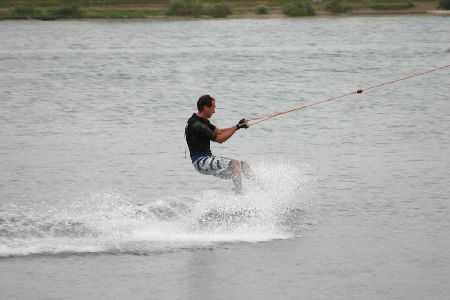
199	132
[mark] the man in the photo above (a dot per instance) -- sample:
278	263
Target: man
199	132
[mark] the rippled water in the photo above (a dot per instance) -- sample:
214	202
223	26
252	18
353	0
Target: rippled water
352	195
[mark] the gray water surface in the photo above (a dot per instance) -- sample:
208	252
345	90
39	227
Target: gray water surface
97	200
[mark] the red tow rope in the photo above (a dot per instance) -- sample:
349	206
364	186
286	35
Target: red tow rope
271	116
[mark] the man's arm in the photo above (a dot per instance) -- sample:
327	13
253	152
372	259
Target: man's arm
220	131
225	134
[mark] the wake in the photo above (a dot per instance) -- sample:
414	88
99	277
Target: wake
271	208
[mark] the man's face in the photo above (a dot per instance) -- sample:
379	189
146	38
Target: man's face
210	110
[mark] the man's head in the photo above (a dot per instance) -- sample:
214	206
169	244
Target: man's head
206	106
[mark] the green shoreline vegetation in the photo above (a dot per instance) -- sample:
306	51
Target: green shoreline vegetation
75	9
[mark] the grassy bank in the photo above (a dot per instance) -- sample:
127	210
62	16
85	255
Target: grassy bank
64	9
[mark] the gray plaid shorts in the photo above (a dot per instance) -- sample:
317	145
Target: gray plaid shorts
214	165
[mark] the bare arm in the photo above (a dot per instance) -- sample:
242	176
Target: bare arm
220	131
224	134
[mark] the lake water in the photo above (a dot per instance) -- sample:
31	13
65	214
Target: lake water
351	201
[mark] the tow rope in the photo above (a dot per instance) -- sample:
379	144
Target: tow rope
359	91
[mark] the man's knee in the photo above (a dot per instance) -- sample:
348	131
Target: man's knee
236	164
241	165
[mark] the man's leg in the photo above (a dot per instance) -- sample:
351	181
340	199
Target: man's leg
236	175
246	170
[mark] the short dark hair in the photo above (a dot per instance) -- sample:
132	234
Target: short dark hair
205	100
